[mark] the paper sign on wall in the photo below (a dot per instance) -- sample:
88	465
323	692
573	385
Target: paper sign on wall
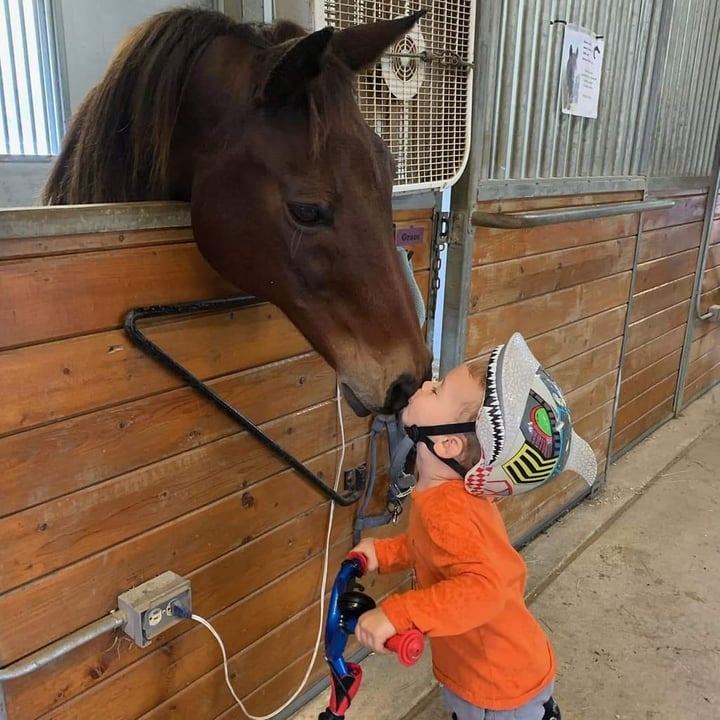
581	71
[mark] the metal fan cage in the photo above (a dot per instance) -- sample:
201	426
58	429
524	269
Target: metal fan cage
418	97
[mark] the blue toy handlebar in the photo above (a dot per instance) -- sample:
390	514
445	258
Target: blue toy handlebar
346	606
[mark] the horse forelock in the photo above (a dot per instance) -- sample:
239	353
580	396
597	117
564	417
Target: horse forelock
332	105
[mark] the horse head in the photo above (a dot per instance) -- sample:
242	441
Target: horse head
290	190
291	200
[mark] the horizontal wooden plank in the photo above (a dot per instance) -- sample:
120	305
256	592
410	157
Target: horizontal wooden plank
410	214
643	403
658	298
711	276
46	298
715	231
687	209
57	220
651	375
632	432
643	355
291	677
600	446
82	374
46	241
701	385
523	513
705	343
45	246
50	461
702	363
86	373
492	245
664	270
66	529
596	424
521	278
713	256
228	528
651	327
666	241
591	396
579	370
547	312
573	340
570	340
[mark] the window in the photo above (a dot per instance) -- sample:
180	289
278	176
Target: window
31	107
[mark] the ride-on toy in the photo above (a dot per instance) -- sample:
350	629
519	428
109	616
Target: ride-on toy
347	604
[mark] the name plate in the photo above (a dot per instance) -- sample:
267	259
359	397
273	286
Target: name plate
409	236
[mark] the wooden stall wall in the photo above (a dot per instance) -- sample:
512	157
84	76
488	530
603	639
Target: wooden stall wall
667	264
704	361
565	287
113	472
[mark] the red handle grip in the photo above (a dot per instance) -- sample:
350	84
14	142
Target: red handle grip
409	646
361	558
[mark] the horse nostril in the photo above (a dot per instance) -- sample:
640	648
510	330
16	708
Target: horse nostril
400	392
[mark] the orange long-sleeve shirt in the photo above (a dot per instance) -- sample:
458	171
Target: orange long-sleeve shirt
486	646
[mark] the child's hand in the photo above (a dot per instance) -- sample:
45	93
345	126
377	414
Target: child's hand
373	630
367	548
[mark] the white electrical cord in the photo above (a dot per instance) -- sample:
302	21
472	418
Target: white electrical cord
323	587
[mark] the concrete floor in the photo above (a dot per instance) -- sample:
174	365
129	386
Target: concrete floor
635	617
627	587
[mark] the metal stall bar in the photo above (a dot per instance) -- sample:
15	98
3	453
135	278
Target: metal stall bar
623	350
56	650
535	218
696	298
157	353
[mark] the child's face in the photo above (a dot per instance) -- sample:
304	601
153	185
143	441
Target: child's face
441	401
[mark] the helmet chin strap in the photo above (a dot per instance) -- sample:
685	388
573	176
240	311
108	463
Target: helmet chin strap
421	433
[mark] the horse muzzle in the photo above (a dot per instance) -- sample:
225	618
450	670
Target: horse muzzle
356	405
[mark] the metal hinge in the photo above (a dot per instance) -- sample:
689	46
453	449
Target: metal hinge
440	239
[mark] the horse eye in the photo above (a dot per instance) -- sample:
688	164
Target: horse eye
309	215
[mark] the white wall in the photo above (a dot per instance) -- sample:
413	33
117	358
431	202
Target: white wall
91	30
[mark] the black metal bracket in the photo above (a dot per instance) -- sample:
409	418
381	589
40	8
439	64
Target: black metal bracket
154	351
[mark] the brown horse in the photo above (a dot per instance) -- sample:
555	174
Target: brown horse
290	191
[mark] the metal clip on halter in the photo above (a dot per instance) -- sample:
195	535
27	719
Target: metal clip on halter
347	603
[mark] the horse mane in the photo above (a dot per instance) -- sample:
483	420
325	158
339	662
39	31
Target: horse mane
118	144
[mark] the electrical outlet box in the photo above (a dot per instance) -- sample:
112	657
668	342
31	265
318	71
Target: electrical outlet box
714	311
149	607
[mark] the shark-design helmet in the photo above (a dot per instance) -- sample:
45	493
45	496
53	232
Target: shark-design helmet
524	428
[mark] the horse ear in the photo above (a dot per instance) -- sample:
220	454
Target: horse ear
361	46
289	77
